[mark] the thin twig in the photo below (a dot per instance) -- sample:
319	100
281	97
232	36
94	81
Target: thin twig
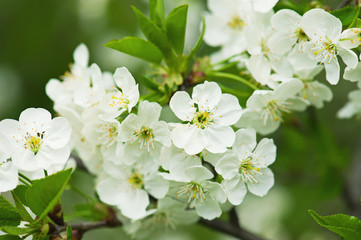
344	3
79	163
229	229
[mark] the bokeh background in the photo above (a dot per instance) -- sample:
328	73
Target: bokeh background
317	164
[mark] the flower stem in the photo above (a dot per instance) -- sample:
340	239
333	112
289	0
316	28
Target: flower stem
25	178
23	181
233	77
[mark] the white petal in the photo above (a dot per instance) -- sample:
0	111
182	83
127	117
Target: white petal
266	181
182	106
134	203
162	133
59	132
349	57
209	209
228	110
189	138
245	141
218	138
8	177
265	152
157	186
280	43
228	166
332	72
353	75
206	95
260	68
236	190
198	173
35	118
318	22
289	89
149	112
285	20
124	79
81	55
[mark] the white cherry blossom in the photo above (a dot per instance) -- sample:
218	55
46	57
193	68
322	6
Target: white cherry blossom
37	141
246	167
208	116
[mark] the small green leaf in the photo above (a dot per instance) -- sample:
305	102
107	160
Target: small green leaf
16	231
358	23
44	193
152	32
9	216
200	39
9	237
346	14
69	232
148	82
20	191
25	216
176	27
348	227
156	9
137	47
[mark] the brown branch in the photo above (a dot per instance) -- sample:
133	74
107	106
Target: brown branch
229	229
344	3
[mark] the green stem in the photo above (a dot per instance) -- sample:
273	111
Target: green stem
23	181
354	20
26	178
233	77
226	60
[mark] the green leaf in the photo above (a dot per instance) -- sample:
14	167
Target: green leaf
9	237
200	39
152	32
346	14
137	47
176	24
156	9
9	216
358	23
15	230
148	82
348	227
25	216
69	232
44	193
20	191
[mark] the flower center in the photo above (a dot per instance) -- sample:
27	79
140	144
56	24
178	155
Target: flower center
194	192
145	137
118	99
301	35
136	180
201	119
33	143
325	50
249	170
274	111
236	23
108	133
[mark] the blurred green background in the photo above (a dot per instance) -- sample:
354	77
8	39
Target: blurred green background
317	153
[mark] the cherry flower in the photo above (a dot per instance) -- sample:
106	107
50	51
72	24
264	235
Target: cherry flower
143	134
265	108
123	98
37	141
198	191
324	31
208	116
246	166
127	187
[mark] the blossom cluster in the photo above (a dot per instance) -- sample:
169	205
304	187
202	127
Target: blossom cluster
156	171
282	51
149	168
